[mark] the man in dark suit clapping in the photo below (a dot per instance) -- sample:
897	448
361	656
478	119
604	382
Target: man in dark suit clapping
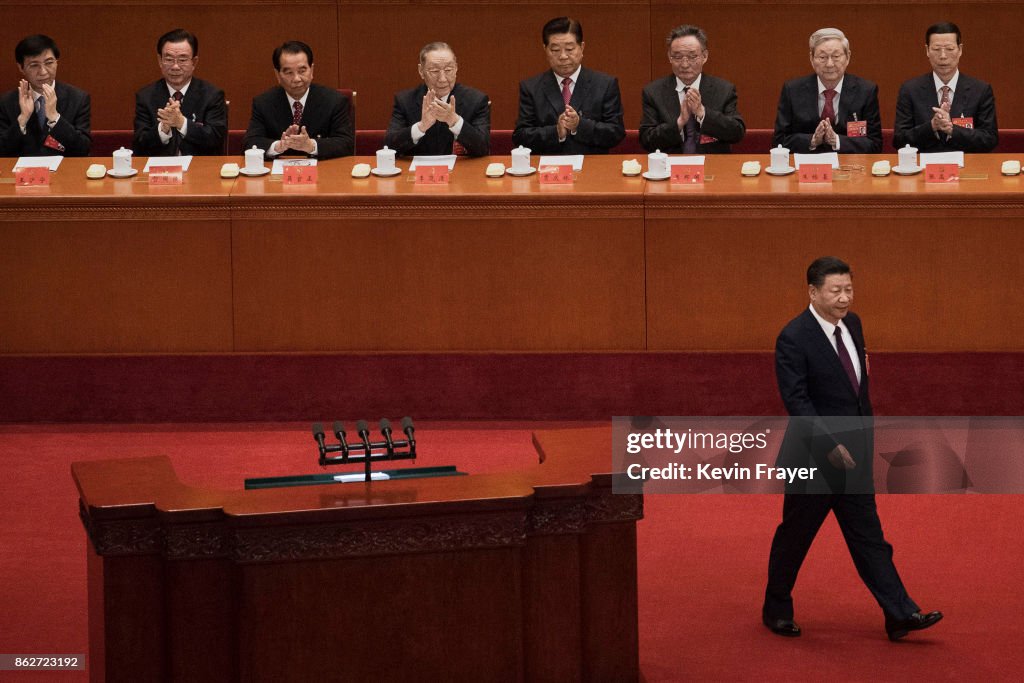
690	111
945	110
299	116
43	116
440	116
822	371
570	109
179	114
831	110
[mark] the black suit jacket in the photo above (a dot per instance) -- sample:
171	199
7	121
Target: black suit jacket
658	128
72	130
327	117
202	106
471	104
595	97
825	409
973	98
797	116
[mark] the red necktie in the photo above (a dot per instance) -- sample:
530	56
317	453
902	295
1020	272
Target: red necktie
566	93
175	133
827	112
844	359
945	96
177	96
296	112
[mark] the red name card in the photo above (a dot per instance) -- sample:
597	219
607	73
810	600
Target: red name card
941	173
964	122
556	175
165	175
687	174
432	175
815	173
34	176
299	174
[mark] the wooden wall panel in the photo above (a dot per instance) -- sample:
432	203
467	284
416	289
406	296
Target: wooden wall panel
115	286
452	283
922	283
372	46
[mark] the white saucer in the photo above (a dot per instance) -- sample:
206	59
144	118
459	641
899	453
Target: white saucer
647	174
520	173
254	174
118	174
385	174
898	170
784	171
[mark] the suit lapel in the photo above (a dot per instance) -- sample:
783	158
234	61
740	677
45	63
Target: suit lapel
962	95
822	345
189	103
811	97
580	90
283	110
553	92
849	96
670	97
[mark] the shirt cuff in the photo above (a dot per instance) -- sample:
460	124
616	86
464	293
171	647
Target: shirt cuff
56	120
457	128
416	132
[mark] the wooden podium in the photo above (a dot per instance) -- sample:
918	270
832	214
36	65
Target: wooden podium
527	575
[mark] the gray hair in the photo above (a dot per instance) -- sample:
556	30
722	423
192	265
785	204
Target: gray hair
433	47
823	34
686	30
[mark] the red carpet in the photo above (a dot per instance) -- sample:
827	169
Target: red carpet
702	558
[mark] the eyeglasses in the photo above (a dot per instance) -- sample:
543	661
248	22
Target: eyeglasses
943	50
685	58
448	71
825	59
180	61
36	66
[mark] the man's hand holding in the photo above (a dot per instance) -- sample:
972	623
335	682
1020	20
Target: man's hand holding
694	104
568	122
444	112
299	140
830	134
49	102
170	116
428	116
941	123
841	458
26	102
819	134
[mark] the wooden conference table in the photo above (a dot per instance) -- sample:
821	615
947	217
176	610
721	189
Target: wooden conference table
607	263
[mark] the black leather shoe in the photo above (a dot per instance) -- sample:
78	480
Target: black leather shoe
783	627
897	628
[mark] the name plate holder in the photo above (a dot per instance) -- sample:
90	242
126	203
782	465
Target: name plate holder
299	174
166	175
556	175
33	176
433	174
815	173
942	173
687	174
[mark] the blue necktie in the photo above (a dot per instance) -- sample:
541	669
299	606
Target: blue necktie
41	113
689	129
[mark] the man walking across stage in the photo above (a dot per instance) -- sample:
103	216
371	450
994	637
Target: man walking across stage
822	372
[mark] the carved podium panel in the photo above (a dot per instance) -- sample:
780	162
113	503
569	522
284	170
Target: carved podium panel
527	575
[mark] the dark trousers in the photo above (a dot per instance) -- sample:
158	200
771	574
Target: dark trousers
802	515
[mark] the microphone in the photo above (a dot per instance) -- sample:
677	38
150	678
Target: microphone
339	433
363	430
385	430
318	435
407	427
